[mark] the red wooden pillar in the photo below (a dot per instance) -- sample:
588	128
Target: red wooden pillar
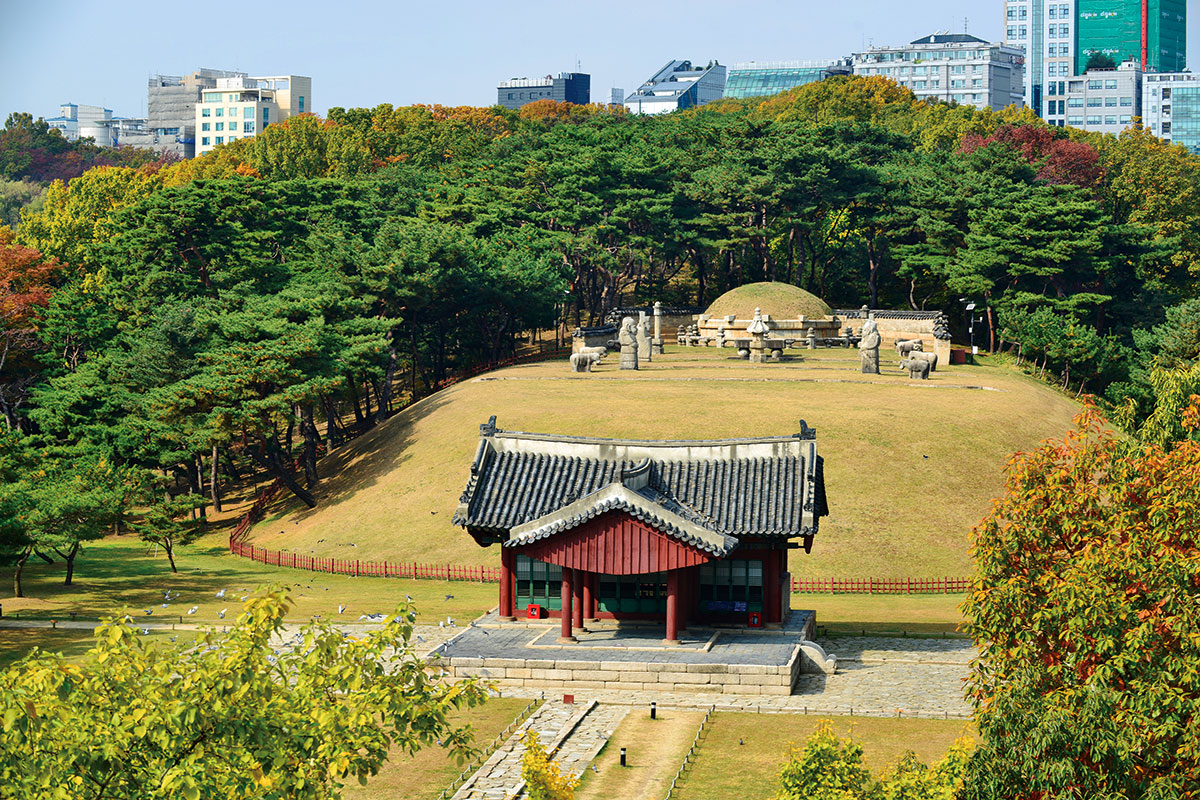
672	636
508	605
685	597
589	597
565	635
578	578
771	589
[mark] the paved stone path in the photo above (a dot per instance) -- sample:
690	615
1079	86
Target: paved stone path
578	731
876	676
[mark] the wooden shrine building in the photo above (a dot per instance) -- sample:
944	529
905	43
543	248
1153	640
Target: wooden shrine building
678	531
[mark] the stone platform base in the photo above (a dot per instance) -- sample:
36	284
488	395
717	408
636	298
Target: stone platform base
710	660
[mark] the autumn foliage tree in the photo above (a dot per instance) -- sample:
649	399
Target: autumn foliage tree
1084	608
1057	158
26	282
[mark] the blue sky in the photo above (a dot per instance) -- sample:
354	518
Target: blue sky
366	52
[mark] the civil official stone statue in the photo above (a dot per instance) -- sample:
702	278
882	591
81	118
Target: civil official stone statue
868	346
628	337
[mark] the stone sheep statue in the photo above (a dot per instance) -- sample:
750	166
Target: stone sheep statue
918	368
583	362
906	346
598	351
930	357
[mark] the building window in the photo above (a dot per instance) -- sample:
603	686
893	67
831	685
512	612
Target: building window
977	83
1052	12
220	112
1166	93
1166	127
731	586
248	127
1012	31
1110	102
233	112
1064	30
301	104
1093	120
1112	120
220	126
1095	84
266	117
220	140
1074	120
233	138
206	112
1075	102
1110	84
1052	88
1012	13
248	112
540	583
203	140
958	84
1052	31
1022	32
1126	119
203	126
1095	102
1024	12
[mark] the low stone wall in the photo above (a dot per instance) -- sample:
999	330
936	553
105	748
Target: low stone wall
635	675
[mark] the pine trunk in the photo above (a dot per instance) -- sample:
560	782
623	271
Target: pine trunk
213	490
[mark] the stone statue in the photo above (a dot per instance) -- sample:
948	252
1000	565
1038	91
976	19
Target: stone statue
656	344
918	368
643	337
583	362
629	343
868	346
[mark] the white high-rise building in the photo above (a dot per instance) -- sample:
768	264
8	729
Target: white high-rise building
950	67
241	107
1044	32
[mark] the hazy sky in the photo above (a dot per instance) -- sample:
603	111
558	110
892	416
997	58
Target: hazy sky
366	52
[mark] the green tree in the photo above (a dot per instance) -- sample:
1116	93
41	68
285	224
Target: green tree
1082	606
228	717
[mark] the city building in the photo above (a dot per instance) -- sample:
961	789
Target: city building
762	78
1045	33
568	87
171	111
1151	32
678	85
1058	38
85	122
951	67
1103	100
1171	107
241	107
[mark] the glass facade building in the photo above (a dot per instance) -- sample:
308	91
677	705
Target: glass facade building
1171	107
1114	28
764	78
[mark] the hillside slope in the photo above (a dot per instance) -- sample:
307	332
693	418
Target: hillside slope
910	466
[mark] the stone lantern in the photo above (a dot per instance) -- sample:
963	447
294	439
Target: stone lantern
758	337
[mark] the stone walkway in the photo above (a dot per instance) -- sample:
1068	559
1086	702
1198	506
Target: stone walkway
573	733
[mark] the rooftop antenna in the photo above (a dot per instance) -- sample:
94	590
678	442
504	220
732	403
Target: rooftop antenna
965	24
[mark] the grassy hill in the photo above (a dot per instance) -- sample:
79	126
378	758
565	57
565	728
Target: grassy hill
910	466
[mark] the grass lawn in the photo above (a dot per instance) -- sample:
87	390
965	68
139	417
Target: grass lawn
910	466
915	613
655	749
122	573
724	768
424	775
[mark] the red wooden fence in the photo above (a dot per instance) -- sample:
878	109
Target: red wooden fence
880	585
456	572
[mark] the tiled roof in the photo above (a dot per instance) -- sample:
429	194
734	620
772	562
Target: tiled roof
740	487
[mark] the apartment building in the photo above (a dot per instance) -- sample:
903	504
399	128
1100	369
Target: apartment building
1171	107
952	68
241	107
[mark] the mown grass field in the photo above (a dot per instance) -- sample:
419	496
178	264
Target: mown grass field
743	752
424	775
910	465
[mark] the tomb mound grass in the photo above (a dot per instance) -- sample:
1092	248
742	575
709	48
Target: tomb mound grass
780	300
